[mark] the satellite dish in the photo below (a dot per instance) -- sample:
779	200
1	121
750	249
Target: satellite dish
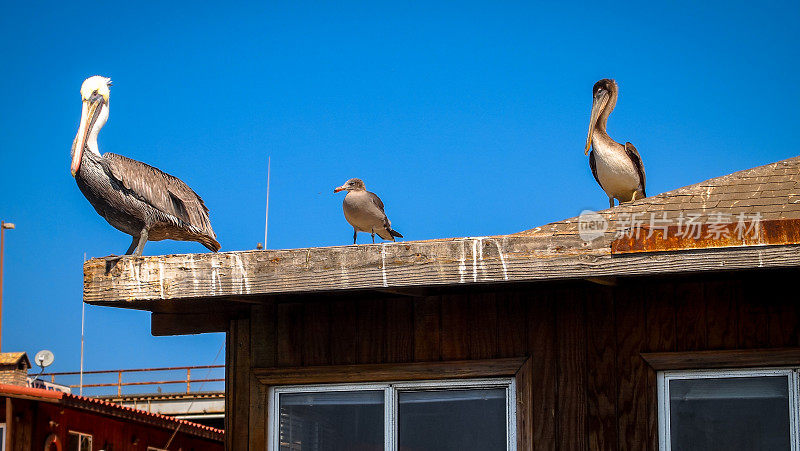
44	358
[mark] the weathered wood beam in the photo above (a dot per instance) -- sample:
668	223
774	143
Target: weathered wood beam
163	324
735	358
406	265
384	372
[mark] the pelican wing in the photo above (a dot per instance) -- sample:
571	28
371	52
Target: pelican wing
633	154
593	165
164	192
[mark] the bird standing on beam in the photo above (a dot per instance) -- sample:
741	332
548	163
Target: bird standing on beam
134	197
617	168
364	211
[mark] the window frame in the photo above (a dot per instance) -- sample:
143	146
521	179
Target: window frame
80	436
390	398
664	377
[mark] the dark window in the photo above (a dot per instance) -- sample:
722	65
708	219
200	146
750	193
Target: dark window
334	421
457	420
744	412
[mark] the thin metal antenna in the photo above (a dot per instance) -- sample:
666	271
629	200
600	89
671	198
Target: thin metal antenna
266	217
83	316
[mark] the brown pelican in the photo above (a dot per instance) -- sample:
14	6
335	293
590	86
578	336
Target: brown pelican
617	168
134	197
364	211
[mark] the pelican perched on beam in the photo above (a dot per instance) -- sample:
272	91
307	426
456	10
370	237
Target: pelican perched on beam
617	168
134	197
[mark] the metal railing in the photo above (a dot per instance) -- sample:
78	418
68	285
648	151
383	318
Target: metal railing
119	384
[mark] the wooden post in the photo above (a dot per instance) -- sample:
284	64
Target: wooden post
188	380
119	383
9	421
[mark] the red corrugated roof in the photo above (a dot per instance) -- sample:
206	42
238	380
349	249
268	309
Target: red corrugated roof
109	408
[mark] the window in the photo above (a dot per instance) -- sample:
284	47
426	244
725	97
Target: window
729	410
79	441
441	416
2	436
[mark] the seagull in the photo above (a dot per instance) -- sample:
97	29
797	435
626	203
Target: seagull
364	211
134	197
617	168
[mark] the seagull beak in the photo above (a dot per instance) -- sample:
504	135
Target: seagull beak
89	112
341	188
598	105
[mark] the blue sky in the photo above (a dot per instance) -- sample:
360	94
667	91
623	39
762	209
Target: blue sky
468	119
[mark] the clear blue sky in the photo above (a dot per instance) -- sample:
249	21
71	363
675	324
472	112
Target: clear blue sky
467	120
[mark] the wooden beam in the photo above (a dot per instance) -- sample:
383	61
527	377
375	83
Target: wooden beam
163	324
398	266
737	358
385	372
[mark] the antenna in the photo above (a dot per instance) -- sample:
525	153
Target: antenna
83	316
266	217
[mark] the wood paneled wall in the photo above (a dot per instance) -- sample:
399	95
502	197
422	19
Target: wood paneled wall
591	388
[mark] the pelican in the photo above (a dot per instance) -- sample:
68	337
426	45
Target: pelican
364	211
135	198
617	168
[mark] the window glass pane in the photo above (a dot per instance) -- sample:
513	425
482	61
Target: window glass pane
735	413
442	420
331	421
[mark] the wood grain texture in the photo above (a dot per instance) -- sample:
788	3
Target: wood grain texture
455	339
290	334
262	354
384	372
734	358
524	383
571	356
164	324
690	317
371	329
316	328
427	325
512	329
633	397
509	258
399	330
482	334
601	360
722	311
541	319
753	317
237	390
343	332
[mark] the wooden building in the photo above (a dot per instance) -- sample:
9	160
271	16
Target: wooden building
670	321
35	419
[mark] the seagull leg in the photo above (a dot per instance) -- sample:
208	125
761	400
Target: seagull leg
355	233
142	241
610	202
633	197
373	237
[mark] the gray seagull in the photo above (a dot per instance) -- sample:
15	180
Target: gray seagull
617	168
364	211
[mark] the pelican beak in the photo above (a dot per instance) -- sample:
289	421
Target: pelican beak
89	112
598	105
341	188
